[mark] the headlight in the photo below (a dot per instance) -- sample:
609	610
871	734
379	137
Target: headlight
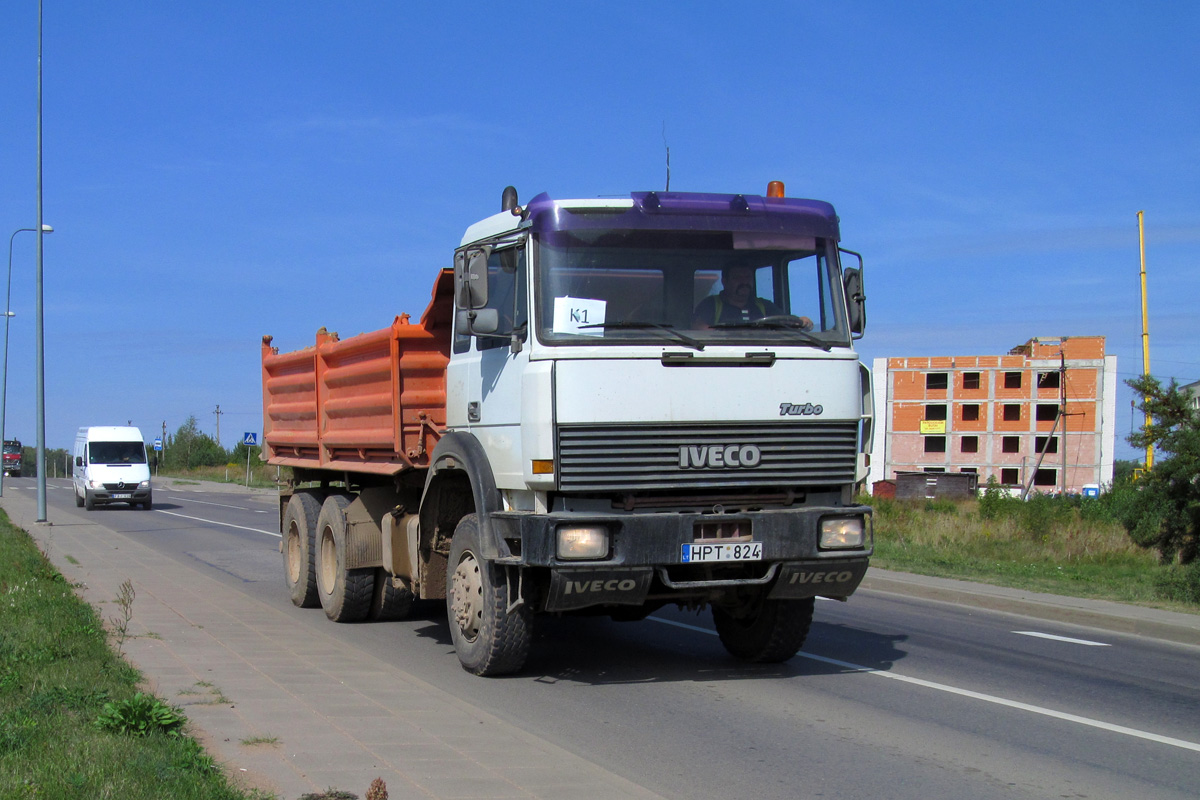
582	541
144	484
841	533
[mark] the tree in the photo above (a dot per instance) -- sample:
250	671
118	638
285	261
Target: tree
190	448
1162	508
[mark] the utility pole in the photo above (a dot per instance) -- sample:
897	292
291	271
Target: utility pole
218	412
1062	410
1145	332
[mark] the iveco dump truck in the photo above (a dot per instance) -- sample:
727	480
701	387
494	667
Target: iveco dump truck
609	406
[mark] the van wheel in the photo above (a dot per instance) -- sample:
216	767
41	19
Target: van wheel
149	504
299	548
89	502
766	631
388	601
345	594
489	639
78	501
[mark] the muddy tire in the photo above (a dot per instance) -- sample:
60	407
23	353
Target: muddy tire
299	548
488	638
767	631
345	594
388	601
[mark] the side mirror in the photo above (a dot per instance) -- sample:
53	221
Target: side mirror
470	277
478	321
856	301
79	461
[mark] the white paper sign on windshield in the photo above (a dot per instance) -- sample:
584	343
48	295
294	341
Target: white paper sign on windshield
572	314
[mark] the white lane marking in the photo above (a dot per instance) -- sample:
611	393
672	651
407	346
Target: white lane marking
987	698
225	524
1040	635
184	498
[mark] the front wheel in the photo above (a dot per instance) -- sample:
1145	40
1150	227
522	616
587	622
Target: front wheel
489	638
765	631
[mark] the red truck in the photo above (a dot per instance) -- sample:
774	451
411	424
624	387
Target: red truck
12	458
610	405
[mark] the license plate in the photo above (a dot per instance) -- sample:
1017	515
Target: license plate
735	551
121	496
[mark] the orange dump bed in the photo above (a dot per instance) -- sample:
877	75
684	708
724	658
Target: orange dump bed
375	402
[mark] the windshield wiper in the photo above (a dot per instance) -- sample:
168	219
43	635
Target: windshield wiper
639	325
781	322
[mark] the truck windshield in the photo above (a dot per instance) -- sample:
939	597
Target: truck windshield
12	447
116	453
605	286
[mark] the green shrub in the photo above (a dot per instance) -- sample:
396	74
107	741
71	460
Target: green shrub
141	715
1179	583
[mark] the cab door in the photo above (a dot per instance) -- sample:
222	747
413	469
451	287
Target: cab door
487	364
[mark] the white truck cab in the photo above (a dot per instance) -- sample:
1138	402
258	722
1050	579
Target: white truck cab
110	467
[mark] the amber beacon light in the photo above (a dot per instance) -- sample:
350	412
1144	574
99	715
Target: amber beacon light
775	189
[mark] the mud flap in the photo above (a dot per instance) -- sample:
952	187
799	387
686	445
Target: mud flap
798	580
579	588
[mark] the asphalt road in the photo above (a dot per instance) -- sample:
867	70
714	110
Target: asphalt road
892	697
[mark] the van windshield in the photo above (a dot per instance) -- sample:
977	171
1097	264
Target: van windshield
116	453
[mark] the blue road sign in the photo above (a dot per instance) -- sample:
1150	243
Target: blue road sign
250	439
158	444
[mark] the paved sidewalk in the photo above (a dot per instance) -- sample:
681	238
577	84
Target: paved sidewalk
242	670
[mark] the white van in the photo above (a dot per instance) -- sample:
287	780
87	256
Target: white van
110	467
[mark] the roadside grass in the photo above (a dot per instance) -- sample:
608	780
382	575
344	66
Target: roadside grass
1043	545
73	722
262	476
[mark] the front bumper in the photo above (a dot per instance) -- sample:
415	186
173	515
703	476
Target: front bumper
129	495
646	556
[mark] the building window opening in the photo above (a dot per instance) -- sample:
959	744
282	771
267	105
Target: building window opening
1045	477
1012	412
1046	444
969	470
936	380
970	412
1012	380
935	412
969	444
1010	444
970	380
1047	412
1008	476
935	444
1048	380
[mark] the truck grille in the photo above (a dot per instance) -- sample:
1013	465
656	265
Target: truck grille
626	458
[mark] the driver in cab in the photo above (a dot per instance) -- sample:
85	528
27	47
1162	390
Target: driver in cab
737	303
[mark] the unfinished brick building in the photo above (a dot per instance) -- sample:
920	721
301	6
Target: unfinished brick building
1045	413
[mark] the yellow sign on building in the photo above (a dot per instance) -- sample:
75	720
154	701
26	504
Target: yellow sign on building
933	426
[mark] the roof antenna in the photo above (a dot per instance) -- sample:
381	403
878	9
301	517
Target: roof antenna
664	135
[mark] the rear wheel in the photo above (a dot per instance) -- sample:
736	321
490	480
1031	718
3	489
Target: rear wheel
345	594
766	631
490	639
389	601
299	548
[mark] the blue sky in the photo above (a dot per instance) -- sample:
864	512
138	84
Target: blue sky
218	171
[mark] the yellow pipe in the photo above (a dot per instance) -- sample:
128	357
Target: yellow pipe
1145	331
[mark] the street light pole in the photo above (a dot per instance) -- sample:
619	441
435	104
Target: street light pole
8	315
41	344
